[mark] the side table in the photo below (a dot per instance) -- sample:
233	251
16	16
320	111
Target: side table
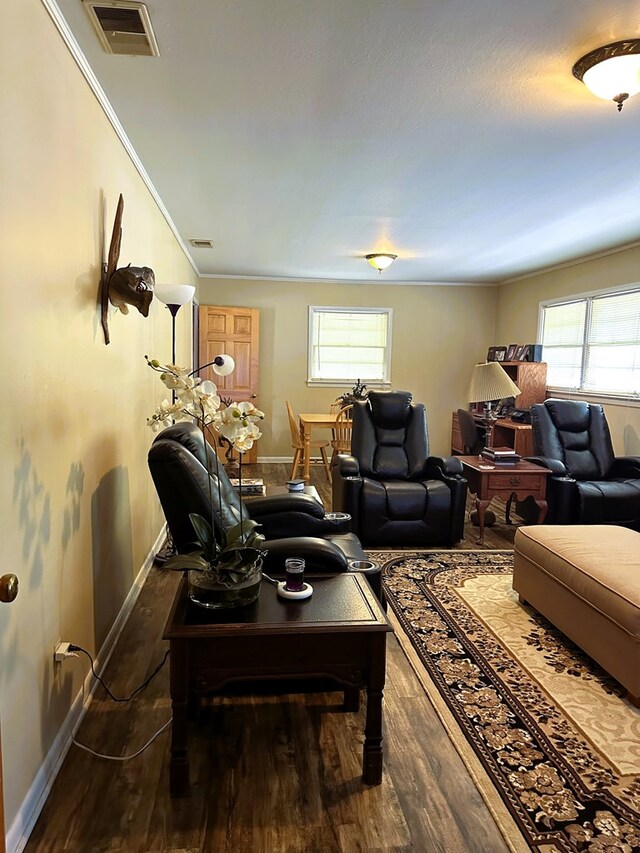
487	481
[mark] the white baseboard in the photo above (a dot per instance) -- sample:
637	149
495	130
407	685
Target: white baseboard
32	805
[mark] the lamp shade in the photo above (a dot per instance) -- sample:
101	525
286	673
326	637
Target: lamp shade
489	381
175	294
223	365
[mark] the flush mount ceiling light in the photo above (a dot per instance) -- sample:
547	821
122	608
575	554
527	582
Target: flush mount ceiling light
611	72
380	261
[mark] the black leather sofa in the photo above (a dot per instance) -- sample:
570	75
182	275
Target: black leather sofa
295	525
587	484
395	492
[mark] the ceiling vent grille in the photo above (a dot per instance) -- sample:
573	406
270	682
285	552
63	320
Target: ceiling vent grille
202	244
123	27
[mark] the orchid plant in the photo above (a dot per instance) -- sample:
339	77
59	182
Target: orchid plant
233	558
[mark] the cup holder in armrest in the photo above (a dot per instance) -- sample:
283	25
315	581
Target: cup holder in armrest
366	567
337	516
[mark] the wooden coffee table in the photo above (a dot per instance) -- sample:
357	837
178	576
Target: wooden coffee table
487	481
340	632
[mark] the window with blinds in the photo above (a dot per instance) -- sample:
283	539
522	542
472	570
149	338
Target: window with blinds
592	344
347	344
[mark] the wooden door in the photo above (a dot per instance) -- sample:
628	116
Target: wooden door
235	331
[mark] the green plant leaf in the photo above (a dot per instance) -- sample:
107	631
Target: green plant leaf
204	533
240	531
181	562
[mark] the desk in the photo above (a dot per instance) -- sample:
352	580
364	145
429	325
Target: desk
506	433
488	481
309	422
341	631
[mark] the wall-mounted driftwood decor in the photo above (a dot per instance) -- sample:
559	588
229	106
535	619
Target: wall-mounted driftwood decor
127	285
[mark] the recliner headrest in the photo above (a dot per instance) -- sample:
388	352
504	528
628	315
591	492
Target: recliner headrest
569	415
390	409
189	435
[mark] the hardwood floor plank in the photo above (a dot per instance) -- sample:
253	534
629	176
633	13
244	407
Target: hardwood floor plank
270	773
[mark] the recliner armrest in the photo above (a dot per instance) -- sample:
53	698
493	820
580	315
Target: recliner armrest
347	466
276	504
625	466
319	555
443	466
557	468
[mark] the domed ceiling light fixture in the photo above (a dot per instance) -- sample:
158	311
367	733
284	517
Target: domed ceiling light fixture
611	72
380	260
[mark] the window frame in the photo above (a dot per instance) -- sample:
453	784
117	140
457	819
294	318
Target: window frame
580	393
338	382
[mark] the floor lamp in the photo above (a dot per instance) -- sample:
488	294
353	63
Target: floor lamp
174	297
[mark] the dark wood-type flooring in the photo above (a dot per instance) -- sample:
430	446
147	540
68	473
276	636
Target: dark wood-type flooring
270	773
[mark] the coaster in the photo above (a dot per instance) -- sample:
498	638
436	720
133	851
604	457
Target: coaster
305	592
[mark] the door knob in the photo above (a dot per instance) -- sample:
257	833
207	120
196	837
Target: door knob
253	396
8	588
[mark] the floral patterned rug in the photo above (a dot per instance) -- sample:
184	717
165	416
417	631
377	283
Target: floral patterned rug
552	731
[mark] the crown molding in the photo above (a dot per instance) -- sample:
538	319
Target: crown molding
81	60
352	281
584	259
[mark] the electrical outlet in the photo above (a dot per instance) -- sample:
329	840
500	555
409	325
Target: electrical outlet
61	652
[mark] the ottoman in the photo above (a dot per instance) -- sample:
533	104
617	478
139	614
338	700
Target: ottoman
585	579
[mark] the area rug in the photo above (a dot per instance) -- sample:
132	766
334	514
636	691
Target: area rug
547	728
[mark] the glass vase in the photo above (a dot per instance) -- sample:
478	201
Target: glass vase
222	595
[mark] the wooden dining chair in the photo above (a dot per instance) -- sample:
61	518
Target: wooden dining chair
298	447
341	432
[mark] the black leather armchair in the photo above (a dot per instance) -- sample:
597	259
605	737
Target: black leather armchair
395	492
587	484
293	524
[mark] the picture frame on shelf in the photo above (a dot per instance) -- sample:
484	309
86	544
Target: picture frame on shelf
500	354
522	352
491	354
512	349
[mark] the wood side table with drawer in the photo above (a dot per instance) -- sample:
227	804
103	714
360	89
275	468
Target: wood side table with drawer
487	481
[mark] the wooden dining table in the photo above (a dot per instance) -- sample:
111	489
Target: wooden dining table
309	422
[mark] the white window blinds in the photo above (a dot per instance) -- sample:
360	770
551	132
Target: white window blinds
593	343
349	344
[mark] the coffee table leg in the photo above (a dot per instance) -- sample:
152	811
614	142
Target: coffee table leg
372	753
352	698
542	506
179	767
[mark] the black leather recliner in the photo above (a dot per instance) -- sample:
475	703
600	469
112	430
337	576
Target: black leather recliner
587	484
295	525
395	492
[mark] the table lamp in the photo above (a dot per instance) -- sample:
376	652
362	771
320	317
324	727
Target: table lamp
489	382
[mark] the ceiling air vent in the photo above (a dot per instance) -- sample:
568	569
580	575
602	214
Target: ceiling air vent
123	27
202	244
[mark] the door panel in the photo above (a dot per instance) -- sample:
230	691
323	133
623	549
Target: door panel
234	331
2	842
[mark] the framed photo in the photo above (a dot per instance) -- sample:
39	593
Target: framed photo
522	352
512	349
500	354
491	354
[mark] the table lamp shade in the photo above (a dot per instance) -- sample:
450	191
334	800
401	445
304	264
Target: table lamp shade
489	381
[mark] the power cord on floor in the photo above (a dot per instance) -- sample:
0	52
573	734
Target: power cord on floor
74	648
124	757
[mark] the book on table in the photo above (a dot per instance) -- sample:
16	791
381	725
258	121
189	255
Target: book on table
250	485
501	458
500	451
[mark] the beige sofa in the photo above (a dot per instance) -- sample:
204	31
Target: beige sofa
585	579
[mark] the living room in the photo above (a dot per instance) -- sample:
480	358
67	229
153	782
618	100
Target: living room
80	516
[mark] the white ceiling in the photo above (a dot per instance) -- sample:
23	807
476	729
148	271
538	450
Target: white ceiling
301	135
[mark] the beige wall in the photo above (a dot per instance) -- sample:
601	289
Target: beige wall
78	511
439	333
517	319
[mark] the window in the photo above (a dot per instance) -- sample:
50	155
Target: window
347	344
592	343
